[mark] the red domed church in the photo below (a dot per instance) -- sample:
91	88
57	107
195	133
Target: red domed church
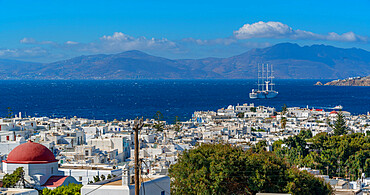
39	165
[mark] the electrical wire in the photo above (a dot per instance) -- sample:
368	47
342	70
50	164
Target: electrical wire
155	183
94	189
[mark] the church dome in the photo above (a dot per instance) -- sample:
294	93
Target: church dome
30	153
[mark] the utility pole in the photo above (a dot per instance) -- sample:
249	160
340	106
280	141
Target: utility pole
138	124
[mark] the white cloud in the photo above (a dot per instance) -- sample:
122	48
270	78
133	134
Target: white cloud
117	42
23	52
71	42
122	42
34	41
277	30
219	41
27	40
263	30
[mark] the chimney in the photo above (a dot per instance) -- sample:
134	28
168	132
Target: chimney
126	176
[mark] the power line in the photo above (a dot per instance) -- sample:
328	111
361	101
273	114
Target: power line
155	182
157	185
95	189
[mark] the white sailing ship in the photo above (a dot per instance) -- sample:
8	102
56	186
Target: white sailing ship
265	84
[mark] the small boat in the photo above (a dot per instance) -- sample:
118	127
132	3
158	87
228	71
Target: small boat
339	107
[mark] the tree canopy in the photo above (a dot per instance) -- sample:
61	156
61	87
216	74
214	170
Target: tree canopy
225	169
70	189
335	155
340	126
11	180
158	124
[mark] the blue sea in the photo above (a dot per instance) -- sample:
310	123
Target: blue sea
128	99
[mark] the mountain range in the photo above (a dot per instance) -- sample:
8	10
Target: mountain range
290	61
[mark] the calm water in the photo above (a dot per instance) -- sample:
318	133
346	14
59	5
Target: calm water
110	100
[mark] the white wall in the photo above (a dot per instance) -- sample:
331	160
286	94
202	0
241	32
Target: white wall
153	187
88	174
44	171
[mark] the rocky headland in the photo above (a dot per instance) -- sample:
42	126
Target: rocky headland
352	81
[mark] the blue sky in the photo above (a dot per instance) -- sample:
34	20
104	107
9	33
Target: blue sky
53	30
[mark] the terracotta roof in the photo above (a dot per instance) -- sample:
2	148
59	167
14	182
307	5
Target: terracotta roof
55	181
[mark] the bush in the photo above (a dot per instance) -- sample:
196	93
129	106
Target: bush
10	180
70	189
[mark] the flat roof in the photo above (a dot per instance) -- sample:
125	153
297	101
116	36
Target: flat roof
86	167
119	182
15	190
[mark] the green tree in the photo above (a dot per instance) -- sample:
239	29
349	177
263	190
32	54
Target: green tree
340	126
277	144
284	110
158	123
158	116
305	134
283	121
300	180
11	180
96	178
225	169
240	115
70	189
329	153
10	112
260	146
102	177
177	124
253	109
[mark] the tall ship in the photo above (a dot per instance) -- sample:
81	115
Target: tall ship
265	84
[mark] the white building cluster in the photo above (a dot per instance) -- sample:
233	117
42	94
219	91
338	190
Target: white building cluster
96	152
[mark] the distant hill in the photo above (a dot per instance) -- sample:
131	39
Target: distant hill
126	65
18	69
290	62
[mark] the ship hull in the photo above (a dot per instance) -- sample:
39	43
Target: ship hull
263	94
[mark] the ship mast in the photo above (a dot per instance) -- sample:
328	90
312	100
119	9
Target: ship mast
262	76
267	81
272	84
258	76
265	77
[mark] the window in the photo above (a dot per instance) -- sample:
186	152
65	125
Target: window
52	170
80	178
163	193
